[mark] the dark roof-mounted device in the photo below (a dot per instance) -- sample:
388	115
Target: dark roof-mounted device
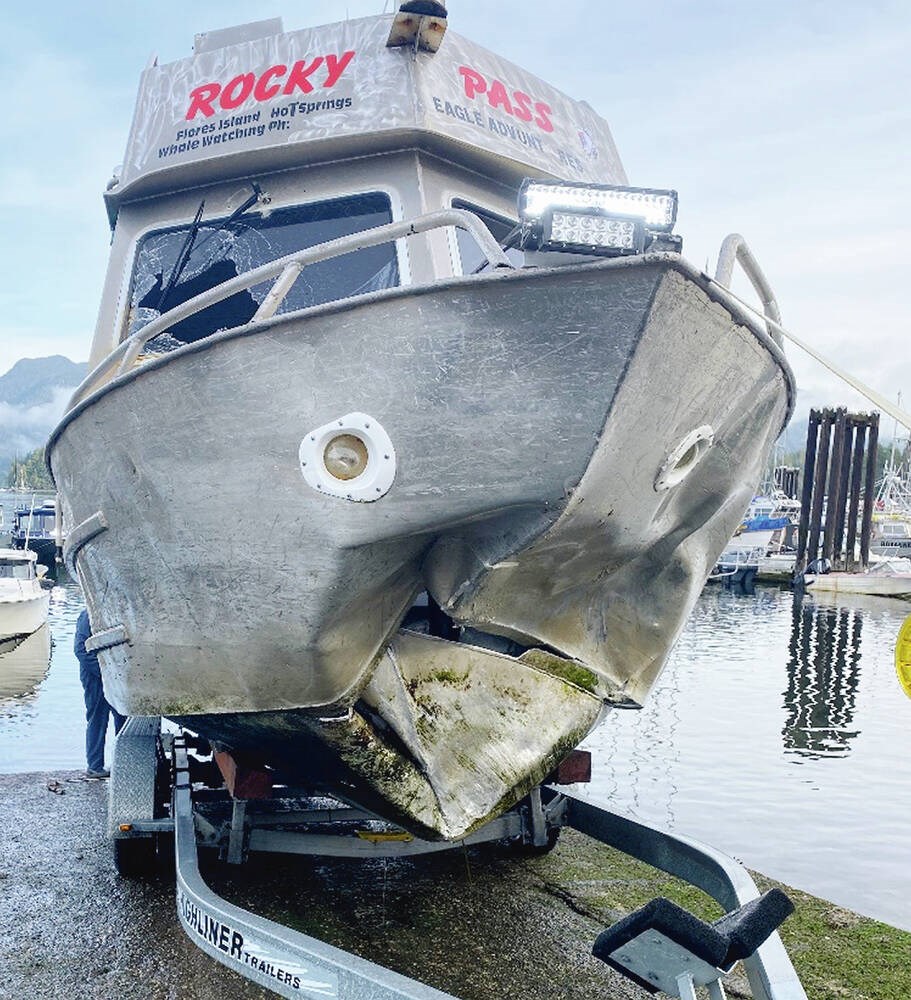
419	23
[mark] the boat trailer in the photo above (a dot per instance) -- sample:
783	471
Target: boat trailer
662	947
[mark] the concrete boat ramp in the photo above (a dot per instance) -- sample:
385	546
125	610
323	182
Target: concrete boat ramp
480	924
475	923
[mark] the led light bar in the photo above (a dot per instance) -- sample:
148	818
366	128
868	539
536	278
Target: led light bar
591	233
656	208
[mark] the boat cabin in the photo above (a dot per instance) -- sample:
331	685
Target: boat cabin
17	565
33	523
263	143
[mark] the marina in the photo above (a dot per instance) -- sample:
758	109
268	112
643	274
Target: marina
498	437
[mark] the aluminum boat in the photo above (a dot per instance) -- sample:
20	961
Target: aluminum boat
395	294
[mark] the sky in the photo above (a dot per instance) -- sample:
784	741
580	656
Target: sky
787	122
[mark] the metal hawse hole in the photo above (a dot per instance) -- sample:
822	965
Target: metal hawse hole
349	458
684	458
345	457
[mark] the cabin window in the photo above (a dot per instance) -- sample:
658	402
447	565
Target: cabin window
36	524
470	254
15	570
174	265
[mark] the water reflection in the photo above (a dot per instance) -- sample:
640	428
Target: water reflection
823	672
24	663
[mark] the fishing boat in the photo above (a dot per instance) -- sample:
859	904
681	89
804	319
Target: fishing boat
395	294
23	601
891	520
763	545
891	535
35	526
886	576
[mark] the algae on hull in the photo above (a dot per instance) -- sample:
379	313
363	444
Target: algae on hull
474	728
570	670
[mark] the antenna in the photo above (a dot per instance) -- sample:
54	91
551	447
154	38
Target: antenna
895	433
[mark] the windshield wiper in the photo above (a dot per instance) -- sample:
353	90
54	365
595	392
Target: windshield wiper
236	214
182	257
189	243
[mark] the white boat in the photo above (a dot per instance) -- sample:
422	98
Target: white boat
488	494
891	535
885	577
23	601
762	547
737	565
778	567
891	521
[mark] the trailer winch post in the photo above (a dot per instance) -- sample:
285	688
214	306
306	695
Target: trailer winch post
769	970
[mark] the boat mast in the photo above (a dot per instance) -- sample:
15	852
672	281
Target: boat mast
894	493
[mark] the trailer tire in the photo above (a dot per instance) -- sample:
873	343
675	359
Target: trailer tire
519	848
166	864
135	857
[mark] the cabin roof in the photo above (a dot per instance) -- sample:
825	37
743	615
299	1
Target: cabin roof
277	100
17	555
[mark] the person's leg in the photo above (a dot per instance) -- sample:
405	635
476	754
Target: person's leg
96	717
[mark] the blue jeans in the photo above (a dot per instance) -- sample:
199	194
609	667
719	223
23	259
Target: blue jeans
96	714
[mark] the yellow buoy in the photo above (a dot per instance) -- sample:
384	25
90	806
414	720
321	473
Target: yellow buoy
903	656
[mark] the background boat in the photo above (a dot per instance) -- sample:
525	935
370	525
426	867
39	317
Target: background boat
23	601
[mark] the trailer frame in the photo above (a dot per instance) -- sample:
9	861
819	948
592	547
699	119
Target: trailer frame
142	825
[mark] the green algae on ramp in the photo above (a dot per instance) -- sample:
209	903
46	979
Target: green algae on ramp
838	954
476	923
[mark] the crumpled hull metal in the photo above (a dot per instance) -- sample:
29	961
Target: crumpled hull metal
531	414
444	736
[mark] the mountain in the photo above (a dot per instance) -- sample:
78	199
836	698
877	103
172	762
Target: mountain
33	395
32	381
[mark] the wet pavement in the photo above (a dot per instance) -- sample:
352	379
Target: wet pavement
480	924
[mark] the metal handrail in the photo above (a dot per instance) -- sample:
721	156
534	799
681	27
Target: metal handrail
733	250
286	271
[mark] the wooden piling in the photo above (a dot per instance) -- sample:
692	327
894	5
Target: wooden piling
841	494
819	484
809	467
840	475
787	480
857	466
869	492
831	541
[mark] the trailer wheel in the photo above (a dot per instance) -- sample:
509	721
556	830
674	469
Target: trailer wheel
520	849
135	857
165	865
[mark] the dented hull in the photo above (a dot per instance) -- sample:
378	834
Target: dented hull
573	449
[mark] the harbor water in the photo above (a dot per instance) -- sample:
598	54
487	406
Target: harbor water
778	733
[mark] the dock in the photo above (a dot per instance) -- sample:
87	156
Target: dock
479	923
